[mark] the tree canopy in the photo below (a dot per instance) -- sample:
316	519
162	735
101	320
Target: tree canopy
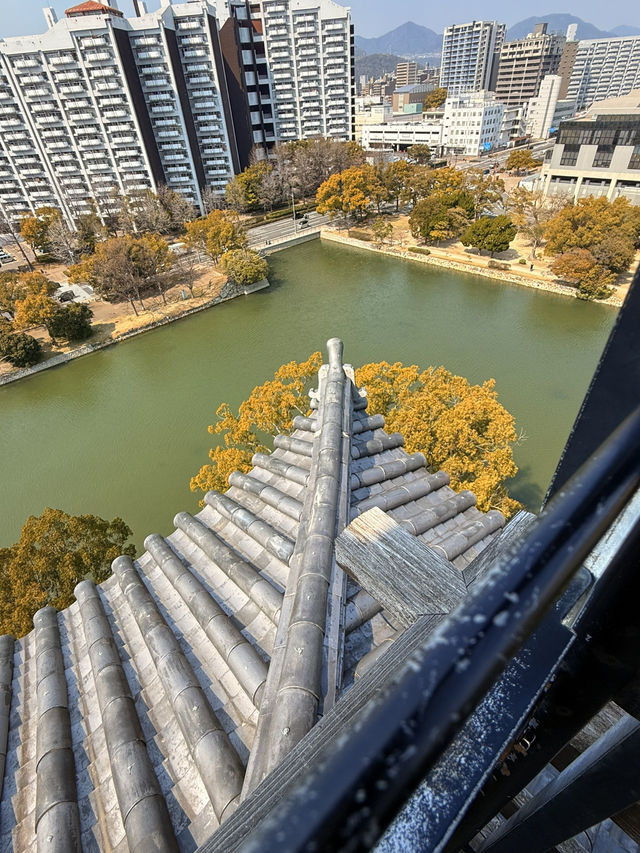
419	153
531	211
433	220
244	266
18	349
581	268
35	229
215	234
122	267
461	428
591	221
522	160
354	191
435	99
490	233
269	410
55	552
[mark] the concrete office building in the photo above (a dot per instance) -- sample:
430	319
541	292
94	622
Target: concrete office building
401	135
604	68
470	54
547	110
598	154
525	62
411	98
473	123
468	125
296	63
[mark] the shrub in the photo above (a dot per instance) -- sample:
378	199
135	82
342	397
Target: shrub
419	250
523	261
498	265
360	235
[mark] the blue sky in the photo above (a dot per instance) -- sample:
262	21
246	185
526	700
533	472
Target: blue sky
375	17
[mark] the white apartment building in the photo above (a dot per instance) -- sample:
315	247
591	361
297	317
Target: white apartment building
298	68
99	102
604	68
473	123
470	54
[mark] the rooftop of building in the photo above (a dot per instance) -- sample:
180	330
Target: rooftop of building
91	7
628	104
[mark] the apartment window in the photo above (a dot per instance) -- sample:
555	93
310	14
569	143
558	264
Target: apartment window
634	162
569	155
602	157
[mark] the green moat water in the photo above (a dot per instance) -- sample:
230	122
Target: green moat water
120	432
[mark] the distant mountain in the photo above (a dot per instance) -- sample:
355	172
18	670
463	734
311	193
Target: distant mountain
376	64
557	24
407	40
626	30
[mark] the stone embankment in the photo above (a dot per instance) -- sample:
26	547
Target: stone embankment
458	265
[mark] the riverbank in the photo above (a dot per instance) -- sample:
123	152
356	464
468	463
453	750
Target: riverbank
228	291
473	265
114	326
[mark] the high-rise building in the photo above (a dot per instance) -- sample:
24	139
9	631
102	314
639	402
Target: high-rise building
470	55
101	105
297	66
604	68
407	74
524	63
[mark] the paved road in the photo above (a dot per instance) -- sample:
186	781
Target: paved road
284	228
487	161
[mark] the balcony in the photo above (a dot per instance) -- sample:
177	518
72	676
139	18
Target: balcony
98	56
65	59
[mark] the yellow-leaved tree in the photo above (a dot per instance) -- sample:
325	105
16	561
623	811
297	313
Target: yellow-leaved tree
269	410
55	552
460	428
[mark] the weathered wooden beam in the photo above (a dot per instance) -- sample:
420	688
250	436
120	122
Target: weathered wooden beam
511	533
398	570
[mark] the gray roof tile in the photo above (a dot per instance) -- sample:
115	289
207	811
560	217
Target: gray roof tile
187	677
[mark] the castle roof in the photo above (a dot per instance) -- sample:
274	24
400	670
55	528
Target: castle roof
179	698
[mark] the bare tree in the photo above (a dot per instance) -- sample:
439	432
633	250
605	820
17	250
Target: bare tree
212	200
63	242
